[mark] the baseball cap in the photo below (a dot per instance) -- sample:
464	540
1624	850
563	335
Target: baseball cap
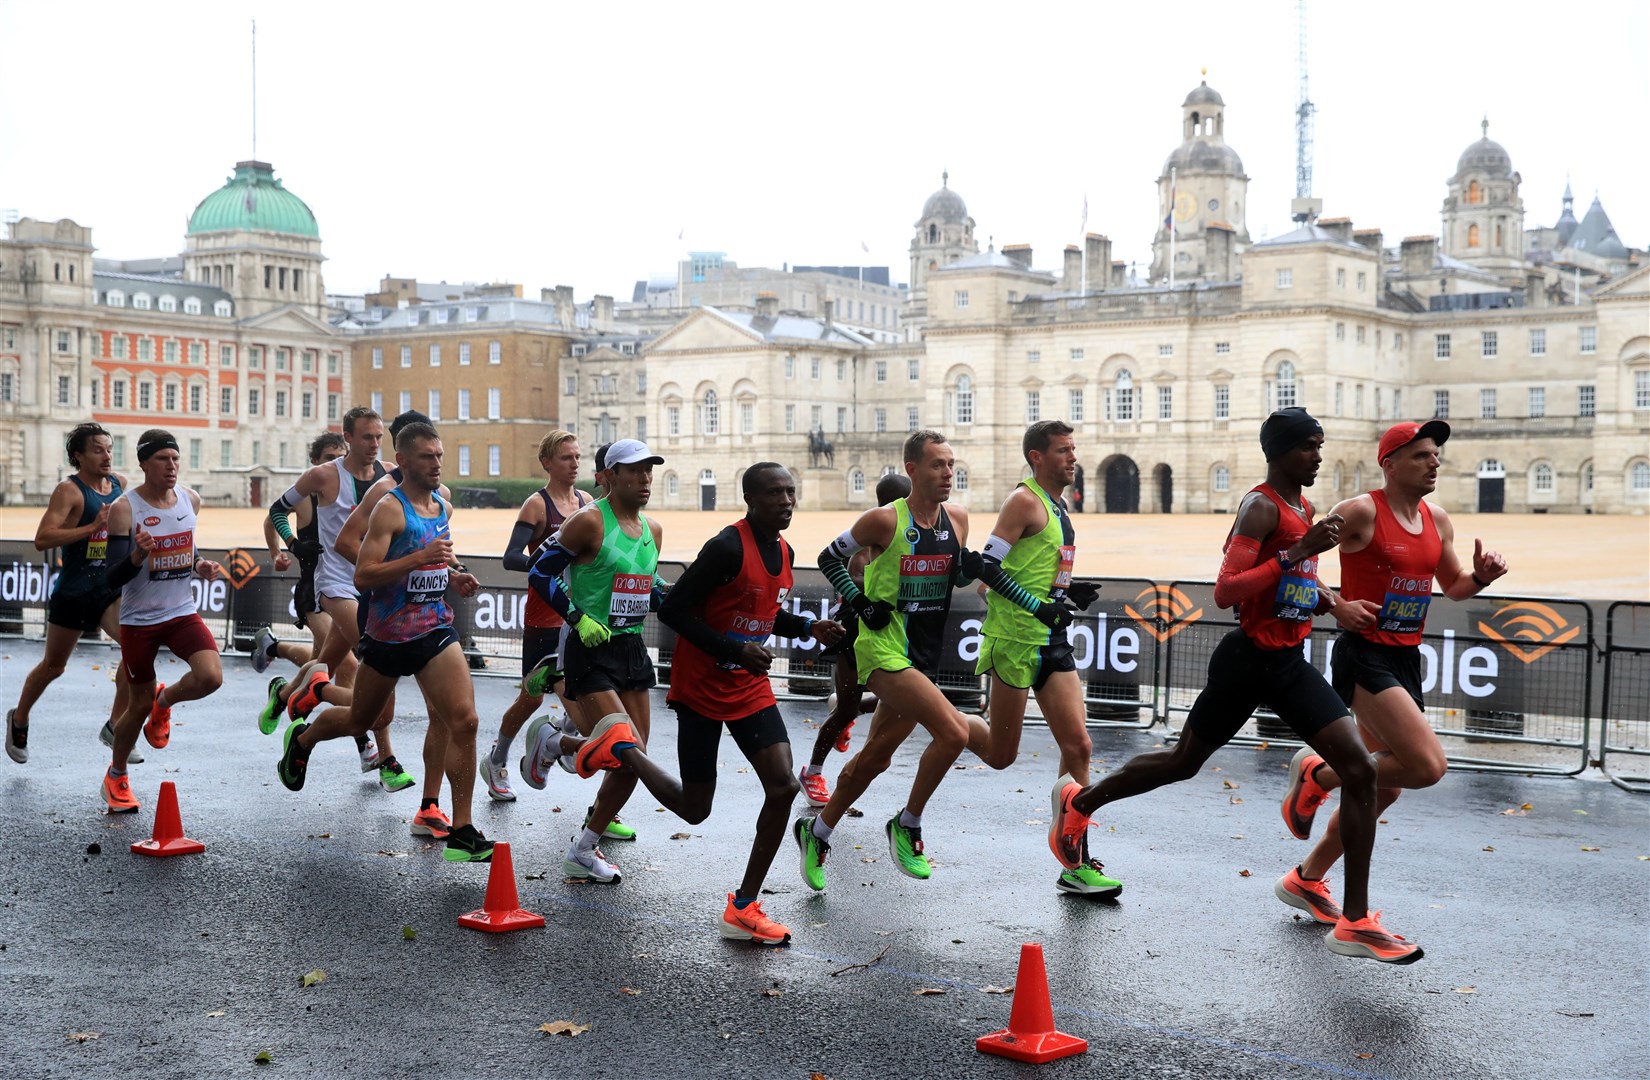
1401	435
630	452
601	456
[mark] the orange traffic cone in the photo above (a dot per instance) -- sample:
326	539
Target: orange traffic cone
168	838
1030	1035
501	910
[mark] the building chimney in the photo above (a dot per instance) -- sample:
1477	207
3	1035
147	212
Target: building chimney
1219	264
1535	289
1119	274
1071	277
1338	227
767	305
602	313
1417	254
1020	253
1098	250
564	305
1369	238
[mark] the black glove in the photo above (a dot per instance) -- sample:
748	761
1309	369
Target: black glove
308	552
873	614
1083	593
1055	614
972	563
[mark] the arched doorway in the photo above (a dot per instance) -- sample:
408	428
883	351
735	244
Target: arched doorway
1163	476
1122	485
707	489
1077	492
1492	486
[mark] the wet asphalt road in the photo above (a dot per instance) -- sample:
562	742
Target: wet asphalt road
1536	950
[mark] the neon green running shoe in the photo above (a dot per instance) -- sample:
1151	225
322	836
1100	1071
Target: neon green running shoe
1089	880
392	777
616	829
905	846
541	678
813	851
270	716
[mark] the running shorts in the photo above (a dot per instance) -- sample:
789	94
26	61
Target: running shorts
699	737
82	611
540	643
1021	665
1242	676
1375	667
185	636
397	659
619	664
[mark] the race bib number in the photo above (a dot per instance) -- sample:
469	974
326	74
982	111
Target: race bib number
172	556
924	584
746	629
97	547
1062	576
627	606
427	584
1404	609
1297	595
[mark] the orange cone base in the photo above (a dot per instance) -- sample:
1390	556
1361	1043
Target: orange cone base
168	838
499	922
180	845
1046	1046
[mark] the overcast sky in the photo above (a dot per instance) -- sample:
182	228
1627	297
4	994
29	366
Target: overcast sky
594	144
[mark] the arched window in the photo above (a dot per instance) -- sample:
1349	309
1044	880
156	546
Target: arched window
960	479
1541	478
856	482
1639	478
140	301
1472	235
1475	194
1587	477
671	485
1287	392
1123	396
221	308
963	400
1339	477
710	414
168	303
1222	482
933	237
1358	478
192	305
115	298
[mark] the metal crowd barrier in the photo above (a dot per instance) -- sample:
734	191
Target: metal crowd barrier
1625	726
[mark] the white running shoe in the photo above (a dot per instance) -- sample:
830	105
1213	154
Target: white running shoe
263	650
106	736
369	755
565	726
535	763
497	778
591	864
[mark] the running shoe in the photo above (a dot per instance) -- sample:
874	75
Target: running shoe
1089	879
591	865
432	821
616	829
905	845
117	792
466	844
568	762
541	678
367	751
17	740
106	736
158	728
596	755
294	763
814	788
263	651
1312	897
842	737
813	852
750	924
306	690
1367	939
392	777
1301	802
542	743
1067	827
496	777
269	717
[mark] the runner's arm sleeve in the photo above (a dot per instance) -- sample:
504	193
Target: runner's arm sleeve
280	508
118	559
717	565
833	563
790	624
1240	576
544	578
999	580
515	554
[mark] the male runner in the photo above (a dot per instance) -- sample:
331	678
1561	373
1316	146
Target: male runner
403	566
915	545
76	520
151	558
1027	563
1394	545
846	703
306	546
610	554
539	519
1270	573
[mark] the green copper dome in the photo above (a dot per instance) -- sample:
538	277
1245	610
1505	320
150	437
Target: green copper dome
253	201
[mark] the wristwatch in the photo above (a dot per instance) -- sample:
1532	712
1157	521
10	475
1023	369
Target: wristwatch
1285	560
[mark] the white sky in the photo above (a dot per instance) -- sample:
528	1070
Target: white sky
570	144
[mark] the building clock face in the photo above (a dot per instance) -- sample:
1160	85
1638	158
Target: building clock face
1214	204
1185	206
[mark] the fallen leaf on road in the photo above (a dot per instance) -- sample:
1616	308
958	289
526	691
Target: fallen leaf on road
1577	1015
927	991
1228	785
1235	800
321	836
312	977
818	1076
630	990
854	811
1489	847
1527	806
1642	858
408	933
264	1057
996	989
1515	813
1237	836
681	836
1243	873
1263	746
1466	989
393	854
771	992
1035	821
564	1027
1365	1056
867	859
1583	813
1585	848
214	1014
536	877
85	1036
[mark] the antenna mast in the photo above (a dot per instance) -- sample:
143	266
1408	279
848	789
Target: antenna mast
1304	208
255	89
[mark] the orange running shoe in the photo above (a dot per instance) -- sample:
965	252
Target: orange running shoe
432	821
597	752
306	691
118	794
814	788
1313	897
1301	802
158	728
1067	828
1367	939
749	924
842	738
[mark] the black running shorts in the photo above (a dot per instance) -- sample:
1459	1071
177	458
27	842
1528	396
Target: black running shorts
539	643
82	611
1361	662
699	737
304	601
620	664
398	659
1243	676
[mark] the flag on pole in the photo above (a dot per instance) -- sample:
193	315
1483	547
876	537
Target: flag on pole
1168	219
1083	229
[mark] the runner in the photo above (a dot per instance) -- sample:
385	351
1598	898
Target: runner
1027	563
846	703
915	547
1394	545
403	567
306	545
76	520
538	521
610	554
1270	574
151	557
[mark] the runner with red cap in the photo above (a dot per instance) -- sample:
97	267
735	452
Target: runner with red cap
1394	546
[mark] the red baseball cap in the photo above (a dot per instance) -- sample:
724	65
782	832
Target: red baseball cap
1401	435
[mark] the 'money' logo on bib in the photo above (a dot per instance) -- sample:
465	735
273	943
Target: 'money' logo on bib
628	603
1297	595
1404	608
173	556
924	582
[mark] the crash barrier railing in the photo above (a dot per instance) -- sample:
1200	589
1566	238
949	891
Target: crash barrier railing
1506	680
1624	730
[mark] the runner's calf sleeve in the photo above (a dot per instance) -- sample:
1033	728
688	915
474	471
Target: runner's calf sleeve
1240	577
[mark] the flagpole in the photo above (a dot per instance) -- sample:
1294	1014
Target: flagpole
1170	220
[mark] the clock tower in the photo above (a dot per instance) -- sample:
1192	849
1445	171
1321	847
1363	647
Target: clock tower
1202	185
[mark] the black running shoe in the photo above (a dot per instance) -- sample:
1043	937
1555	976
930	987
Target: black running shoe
17	740
466	844
294	763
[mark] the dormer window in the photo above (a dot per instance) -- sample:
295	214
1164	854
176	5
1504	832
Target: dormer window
221	308
115	298
191	305
141	301
168	303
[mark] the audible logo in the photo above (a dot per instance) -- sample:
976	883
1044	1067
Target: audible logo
242	567
1540	628
1164	611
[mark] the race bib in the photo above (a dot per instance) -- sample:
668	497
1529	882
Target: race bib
746	629
172	556
627	606
1297	595
1404	609
1062	576
924	584
97	547
427	584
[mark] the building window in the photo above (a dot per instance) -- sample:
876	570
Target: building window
255	358
65	390
197	353
641	429
1034	406
169	352
879	420
197	399
226	356
1543	478
813	368
1538	342
169	397
280	403
1589	340
856	482
1641	389
1222	479
641	382
254	401
1587	477
1223	348
117	346
790	365
495	459
816	418
222	308
1223	401
1359	335
1440	404
1486	404
1165	350
710	414
494	400
1340	331
464	461
1074	405
1077	356
306	405
495	352
1123	395
332	407
463	404
1340	399
960	479
194	453
1585	405
464	354
1538	401
434	408
1340	277
1286	278
841	419
911	421
841	369
881	370
959	299
1440	346
911	369
963	400
570	385
141	301
406	401
790	419
1489	343
1165	403
378	401
117	393
117	450
115	298
226	401
406	356
283	359
1358	401
146	349
1640	481
1286	390
672	487
226	453
1363	280
747	418
673	420
435	355
309	357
